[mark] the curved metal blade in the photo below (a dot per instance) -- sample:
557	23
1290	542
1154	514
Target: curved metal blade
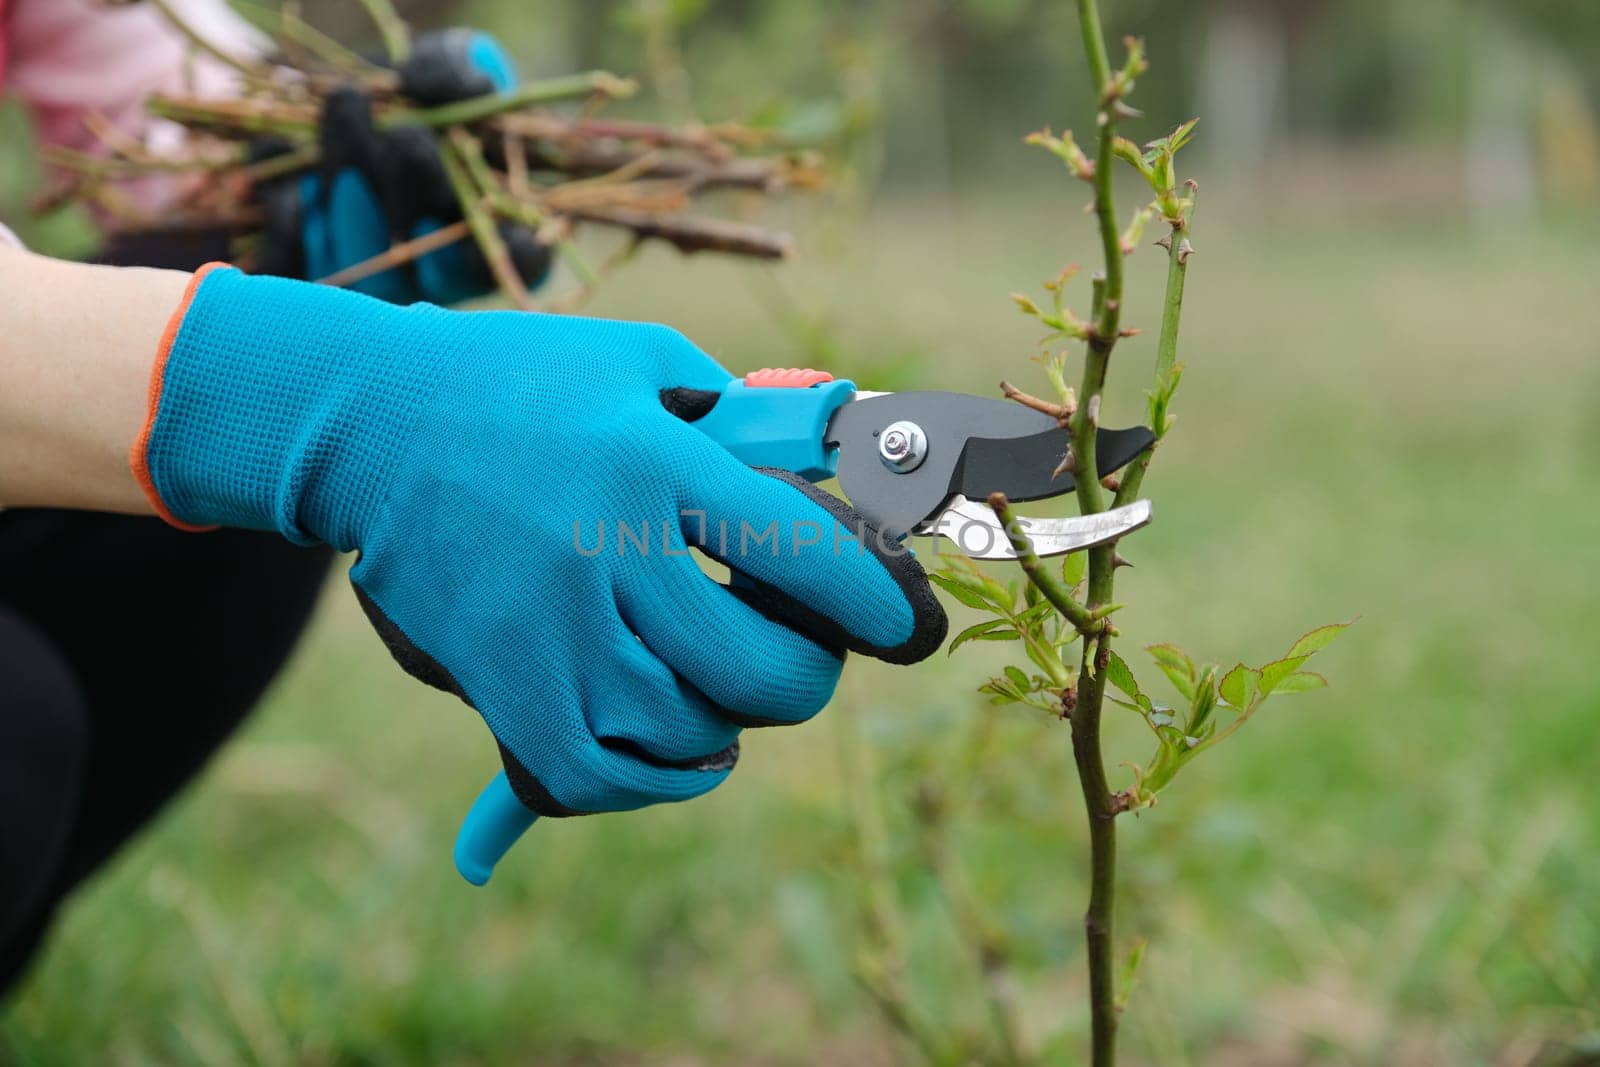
978	533
1022	467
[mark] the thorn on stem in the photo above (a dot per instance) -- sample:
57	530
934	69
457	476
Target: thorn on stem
1129	331
1165	242
1185	250
1111	482
1119	560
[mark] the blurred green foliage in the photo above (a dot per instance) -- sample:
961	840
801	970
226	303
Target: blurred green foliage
64	233
945	71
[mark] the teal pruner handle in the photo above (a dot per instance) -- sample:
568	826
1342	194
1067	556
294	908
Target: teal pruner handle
767	426
768	419
493	825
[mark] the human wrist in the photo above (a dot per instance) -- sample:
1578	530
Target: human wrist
77	344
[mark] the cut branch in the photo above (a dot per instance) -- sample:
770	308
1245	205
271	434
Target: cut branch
692	234
252	71
391	27
1062	413
1166	361
601	157
701	139
477	217
571	87
399	255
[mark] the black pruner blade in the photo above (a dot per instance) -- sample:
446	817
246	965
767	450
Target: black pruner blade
924	462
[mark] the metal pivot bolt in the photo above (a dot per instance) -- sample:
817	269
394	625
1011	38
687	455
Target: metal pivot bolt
903	446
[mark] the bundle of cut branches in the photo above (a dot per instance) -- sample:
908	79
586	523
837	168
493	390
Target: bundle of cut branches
541	154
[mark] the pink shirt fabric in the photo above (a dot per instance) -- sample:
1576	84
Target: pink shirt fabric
68	58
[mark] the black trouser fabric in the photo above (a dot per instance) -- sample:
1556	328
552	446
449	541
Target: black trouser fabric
129	651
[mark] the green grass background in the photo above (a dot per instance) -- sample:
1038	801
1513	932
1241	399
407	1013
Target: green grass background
1397	423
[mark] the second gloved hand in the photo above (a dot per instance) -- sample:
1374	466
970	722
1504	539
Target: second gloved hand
523	505
374	188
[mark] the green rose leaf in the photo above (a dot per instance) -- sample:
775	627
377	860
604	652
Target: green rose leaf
1177	666
1276	671
988	630
1239	685
972	598
1302	682
1311	643
1074	567
1118	674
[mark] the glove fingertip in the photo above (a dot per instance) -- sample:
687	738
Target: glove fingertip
488	56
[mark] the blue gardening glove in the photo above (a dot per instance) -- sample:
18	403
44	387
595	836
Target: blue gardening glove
376	188
484	466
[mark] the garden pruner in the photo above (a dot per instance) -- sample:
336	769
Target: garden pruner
913	464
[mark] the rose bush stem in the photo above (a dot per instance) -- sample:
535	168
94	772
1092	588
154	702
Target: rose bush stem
1099	804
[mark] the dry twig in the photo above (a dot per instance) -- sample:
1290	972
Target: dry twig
507	156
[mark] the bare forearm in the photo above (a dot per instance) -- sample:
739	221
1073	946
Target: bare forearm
78	343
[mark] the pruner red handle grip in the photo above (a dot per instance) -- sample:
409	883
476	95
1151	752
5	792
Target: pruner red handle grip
786	378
